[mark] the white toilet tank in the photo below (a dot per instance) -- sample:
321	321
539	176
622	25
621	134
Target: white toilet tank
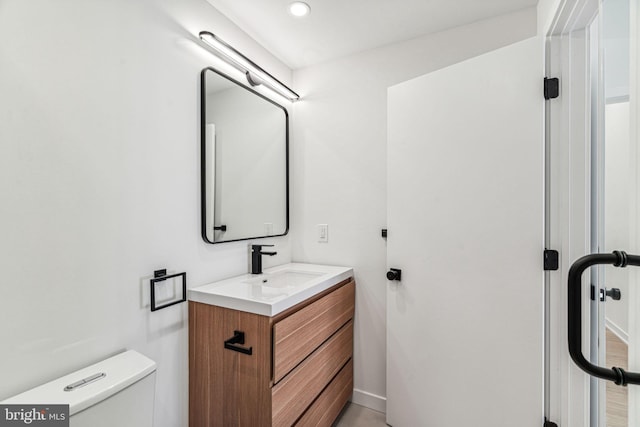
118	391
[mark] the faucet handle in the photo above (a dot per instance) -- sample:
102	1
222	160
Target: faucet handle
259	247
256	258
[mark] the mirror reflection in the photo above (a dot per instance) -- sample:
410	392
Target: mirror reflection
244	162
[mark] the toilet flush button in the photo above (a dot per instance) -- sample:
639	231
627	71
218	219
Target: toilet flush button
85	381
94	377
74	386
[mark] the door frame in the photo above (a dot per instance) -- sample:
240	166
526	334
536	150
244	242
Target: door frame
567	123
634	152
567	203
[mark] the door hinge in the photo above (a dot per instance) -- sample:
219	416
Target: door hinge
550	259
549	424
551	87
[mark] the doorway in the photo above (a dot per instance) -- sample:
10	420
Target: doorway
612	193
592	200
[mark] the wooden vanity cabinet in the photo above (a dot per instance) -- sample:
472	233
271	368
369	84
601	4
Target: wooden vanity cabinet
299	372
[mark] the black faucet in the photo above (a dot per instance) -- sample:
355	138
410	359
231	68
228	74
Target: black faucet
256	258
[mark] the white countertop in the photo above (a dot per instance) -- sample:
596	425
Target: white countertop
292	284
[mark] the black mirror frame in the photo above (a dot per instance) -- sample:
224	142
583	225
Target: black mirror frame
203	172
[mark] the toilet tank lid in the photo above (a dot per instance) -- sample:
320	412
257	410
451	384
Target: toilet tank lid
120	371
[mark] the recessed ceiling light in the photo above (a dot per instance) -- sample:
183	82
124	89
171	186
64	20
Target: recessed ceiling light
299	8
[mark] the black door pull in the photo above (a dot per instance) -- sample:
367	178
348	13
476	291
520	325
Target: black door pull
617	259
237	338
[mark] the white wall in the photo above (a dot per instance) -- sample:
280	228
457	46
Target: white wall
618	191
617	209
615	41
99	178
547	10
339	166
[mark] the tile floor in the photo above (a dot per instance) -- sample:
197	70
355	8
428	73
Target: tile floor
358	416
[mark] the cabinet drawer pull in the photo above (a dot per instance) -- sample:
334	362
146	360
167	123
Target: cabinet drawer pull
237	338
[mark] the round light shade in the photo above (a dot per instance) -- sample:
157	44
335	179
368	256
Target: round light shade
299	8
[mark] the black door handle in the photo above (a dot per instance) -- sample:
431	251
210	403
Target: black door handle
614	294
394	274
617	259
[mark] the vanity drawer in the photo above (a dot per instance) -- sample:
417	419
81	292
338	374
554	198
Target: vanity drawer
296	336
295	393
326	408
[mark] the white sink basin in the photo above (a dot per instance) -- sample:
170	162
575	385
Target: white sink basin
284	278
272	292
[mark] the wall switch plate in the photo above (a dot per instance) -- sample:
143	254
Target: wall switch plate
323	233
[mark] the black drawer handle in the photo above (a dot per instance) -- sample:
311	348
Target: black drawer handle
237	338
617	259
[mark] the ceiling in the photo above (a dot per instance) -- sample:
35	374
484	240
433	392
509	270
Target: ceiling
337	28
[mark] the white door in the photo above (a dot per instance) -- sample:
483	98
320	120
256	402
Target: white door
465	220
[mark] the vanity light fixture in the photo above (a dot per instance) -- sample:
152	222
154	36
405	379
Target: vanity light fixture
299	9
254	73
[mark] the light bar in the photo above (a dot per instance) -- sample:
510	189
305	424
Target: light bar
255	74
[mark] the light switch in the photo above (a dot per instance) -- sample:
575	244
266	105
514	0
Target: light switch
323	233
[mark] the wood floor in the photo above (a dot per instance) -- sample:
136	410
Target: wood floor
617	355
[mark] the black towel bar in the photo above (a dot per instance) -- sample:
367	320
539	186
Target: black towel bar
237	338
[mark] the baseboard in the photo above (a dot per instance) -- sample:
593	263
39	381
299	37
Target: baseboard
369	400
618	331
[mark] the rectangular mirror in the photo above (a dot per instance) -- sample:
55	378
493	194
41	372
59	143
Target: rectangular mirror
244	161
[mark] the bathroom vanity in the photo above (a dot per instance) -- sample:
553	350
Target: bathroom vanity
273	349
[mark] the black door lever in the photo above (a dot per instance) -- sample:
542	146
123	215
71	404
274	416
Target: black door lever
614	294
